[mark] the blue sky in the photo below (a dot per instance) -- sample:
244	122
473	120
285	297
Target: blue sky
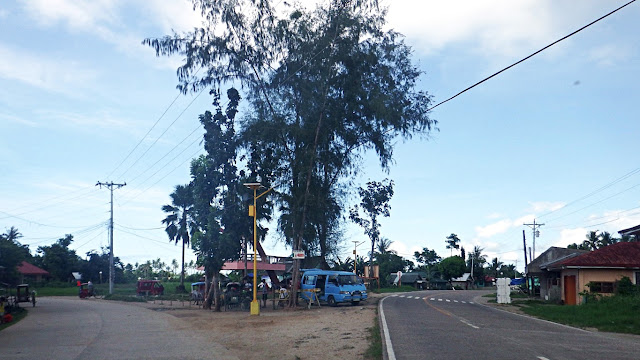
78	92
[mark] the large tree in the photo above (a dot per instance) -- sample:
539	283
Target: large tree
217	182
179	221
427	259
58	259
374	202
452	267
325	85
453	242
12	253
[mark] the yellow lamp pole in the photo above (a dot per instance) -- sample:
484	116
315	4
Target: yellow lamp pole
355	258
255	305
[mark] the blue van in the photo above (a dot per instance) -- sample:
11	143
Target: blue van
334	286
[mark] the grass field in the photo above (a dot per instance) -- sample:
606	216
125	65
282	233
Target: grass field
613	314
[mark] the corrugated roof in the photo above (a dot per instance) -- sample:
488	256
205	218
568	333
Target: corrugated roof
28	269
624	254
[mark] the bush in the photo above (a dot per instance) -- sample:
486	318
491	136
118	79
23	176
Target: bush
625	287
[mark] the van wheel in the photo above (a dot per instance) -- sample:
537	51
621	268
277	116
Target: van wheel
331	301
354	303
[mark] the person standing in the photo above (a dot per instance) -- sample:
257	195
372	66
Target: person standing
265	292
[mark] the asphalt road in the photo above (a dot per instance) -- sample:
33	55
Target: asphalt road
71	328
451	325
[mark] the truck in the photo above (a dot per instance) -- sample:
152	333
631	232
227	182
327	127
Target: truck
332	287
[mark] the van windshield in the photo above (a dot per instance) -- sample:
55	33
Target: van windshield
349	280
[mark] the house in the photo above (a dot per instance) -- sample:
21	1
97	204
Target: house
415	279
597	271
463	282
549	281
29	272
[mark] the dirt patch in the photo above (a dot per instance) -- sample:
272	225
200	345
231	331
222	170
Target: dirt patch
318	333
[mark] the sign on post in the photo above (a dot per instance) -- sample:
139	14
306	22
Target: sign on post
298	254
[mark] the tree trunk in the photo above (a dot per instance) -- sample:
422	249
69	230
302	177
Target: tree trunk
182	273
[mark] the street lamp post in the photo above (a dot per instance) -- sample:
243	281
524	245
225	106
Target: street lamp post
355	257
255	305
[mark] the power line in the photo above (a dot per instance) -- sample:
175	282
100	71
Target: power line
604	187
164	132
526	58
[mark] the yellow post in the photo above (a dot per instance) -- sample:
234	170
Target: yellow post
255	305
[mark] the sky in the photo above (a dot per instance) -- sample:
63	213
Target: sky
553	139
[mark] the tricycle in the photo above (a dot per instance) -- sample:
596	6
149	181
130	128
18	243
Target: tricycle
24	295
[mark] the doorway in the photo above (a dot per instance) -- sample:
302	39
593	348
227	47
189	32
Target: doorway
570	290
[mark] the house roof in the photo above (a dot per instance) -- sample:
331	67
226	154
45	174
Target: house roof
620	255
409	277
464	278
550	257
28	269
631	231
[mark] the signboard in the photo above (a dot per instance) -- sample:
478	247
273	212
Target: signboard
298	254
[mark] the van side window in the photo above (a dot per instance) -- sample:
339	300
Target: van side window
333	279
310	280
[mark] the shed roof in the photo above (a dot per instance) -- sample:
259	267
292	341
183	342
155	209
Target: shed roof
620	255
25	268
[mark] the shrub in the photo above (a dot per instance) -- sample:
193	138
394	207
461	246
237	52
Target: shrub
624	286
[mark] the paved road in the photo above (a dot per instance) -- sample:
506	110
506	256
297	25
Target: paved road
451	325
68	328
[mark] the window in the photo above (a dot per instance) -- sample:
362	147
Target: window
601	287
637	282
310	280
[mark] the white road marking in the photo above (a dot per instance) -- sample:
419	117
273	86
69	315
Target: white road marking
432	299
470	324
542	358
387	339
439	299
464	302
448	300
455	300
470	302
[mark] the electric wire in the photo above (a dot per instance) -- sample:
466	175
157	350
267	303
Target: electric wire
528	57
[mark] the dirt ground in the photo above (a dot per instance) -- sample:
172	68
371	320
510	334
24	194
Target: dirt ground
323	332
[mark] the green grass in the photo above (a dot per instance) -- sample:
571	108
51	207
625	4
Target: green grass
18	314
374	351
613	314
103	289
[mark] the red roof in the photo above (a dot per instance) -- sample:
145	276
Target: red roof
27	269
620	255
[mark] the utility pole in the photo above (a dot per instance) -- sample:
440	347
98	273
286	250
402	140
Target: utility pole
111	270
526	263
536	233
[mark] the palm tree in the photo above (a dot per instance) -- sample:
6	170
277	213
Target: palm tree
592	241
383	245
452	241
605	239
495	266
179	222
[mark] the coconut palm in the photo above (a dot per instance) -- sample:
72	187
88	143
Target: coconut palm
180	222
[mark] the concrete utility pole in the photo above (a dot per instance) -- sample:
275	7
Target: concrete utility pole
111	270
536	233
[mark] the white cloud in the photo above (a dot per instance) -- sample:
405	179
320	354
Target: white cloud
610	54
546	206
178	15
42	72
87	15
492	28
16	119
490	230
